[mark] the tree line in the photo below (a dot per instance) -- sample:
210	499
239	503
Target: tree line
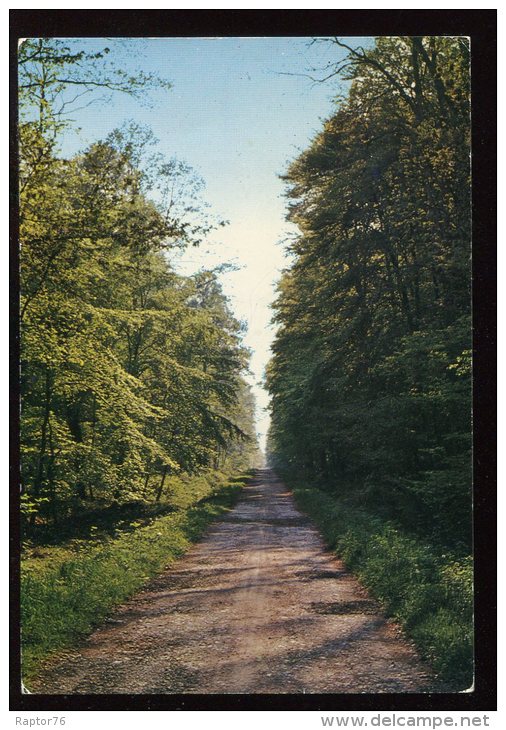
130	372
370	376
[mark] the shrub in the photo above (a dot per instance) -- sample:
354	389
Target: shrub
430	594
65	595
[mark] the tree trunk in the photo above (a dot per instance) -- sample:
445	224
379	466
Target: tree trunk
43	440
160	486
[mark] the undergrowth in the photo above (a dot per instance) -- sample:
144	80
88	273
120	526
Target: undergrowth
72	589
430	594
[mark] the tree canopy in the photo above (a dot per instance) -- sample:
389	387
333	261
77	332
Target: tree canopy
129	371
370	378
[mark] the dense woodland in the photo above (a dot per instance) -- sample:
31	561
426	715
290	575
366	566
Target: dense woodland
370	378
130	373
137	420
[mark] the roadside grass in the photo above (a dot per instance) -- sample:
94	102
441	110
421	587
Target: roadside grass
65	594
430	594
98	519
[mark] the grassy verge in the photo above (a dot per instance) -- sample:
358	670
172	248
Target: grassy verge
70	590
97	520
431	595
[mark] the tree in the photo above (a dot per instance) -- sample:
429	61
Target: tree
129	371
374	312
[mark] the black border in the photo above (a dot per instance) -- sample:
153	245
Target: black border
481	27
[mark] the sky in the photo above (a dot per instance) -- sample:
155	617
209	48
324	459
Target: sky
239	110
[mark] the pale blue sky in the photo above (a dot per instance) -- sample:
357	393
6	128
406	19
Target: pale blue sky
237	119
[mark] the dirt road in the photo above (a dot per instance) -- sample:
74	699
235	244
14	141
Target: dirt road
258	606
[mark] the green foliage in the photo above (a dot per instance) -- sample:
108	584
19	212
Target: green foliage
429	593
131	374
370	377
70	589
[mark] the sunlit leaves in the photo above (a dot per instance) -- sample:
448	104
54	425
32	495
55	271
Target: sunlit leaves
128	371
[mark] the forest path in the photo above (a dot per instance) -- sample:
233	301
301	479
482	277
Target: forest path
258	606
